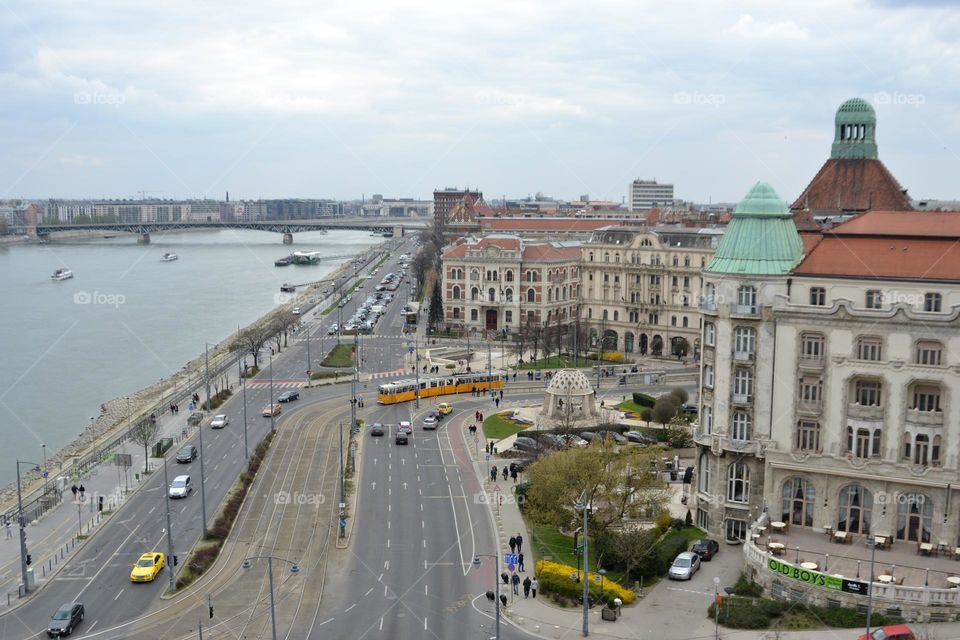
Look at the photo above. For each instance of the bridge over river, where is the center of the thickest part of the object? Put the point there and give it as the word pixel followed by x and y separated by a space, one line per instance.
pixel 286 227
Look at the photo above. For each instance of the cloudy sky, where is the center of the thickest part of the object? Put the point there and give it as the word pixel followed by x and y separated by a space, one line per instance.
pixel 185 98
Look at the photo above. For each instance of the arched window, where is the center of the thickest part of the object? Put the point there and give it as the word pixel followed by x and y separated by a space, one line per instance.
pixel 475 274
pixel 605 316
pixel 616 257
pixel 509 293
pixel 606 256
pixel 686 261
pixel 589 312
pixel 914 517
pixel 508 276
pixel 591 256
pixel 549 294
pixel 856 507
pixel 799 499
pixel 491 294
pixel 738 482
pixel 685 321
pixel 704 473
pixel 456 293
pixel 616 315
pixel 531 295
pixel 474 294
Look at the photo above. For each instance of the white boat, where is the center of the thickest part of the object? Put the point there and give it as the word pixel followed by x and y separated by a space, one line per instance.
pixel 306 257
pixel 62 274
pixel 168 257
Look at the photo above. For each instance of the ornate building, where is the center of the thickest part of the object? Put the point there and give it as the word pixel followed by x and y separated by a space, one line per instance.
pixel 640 287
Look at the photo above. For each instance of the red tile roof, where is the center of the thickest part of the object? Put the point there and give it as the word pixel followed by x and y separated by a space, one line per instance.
pixel 889 245
pixel 543 224
pixel 853 185
pixel 550 252
pixel 459 250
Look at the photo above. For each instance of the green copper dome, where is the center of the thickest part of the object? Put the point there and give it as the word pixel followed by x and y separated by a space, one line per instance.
pixel 855 131
pixel 761 238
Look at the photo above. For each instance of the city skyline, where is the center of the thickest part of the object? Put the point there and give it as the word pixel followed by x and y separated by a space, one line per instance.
pixel 185 102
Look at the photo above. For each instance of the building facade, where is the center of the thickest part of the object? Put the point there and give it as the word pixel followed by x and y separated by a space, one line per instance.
pixel 445 199
pixel 647 194
pixel 502 284
pixel 641 285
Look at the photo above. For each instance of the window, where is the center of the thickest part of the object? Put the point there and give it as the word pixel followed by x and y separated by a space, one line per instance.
pixel 606 278
pixel 926 398
pixel 811 391
pixel 704 473
pixel 710 334
pixel 856 507
pixel 914 517
pixel 742 426
pixel 874 299
pixel 531 317
pixel 743 384
pixel 674 281
pixel 491 294
pixel 811 346
pixel 549 294
pixel 703 519
pixel 508 316
pixel 616 315
pixel 932 302
pixel 799 501
pixel 456 313
pixel 676 261
pixel 862 443
pixel 736 529
pixel 673 321
pixel 531 295
pixel 509 294
pixel 745 340
pixel 473 315
pixel 508 276
pixel 456 293
pixel 685 322
pixel 475 274
pixel 686 282
pixel 686 262
pixel 708 375
pixel 929 352
pixel 868 393
pixel 707 419
pixel 606 313
pixel 869 348
pixel 474 294
pixel 747 299
pixel 738 483
pixel 589 312
pixel 818 296
pixel 808 436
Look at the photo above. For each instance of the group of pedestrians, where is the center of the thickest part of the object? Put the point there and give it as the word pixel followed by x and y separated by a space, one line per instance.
pixel 78 491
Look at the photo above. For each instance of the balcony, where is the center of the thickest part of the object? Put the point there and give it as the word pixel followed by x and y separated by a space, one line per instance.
pixel 720 442
pixel 747 310
pixel 809 406
pixel 708 305
pixel 926 418
pixel 743 356
pixel 811 363
pixel 742 398
pixel 864 411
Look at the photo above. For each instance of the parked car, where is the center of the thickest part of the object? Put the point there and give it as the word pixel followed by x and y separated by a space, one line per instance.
pixel 612 435
pixel 181 487
pixel 684 566
pixel 705 548
pixel 552 440
pixel 148 566
pixel 65 620
pixel 333 329
pixel 271 410
pixel 522 463
pixel 573 440
pixel 187 453
pixel 289 396
pixel 219 421
pixel 376 429
pixel 891 632
pixel 589 436
pixel 401 437
pixel 296 311
pixel 640 437
pixel 430 422
pixel 528 445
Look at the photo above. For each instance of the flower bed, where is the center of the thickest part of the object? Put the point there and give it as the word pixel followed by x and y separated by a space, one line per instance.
pixel 555 579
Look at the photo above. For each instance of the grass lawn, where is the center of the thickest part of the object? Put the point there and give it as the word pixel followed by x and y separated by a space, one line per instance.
pixel 555 362
pixel 559 548
pixel 321 375
pixel 340 356
pixel 497 428
pixel 630 405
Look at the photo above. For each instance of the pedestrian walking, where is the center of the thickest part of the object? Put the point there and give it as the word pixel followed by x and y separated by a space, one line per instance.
pixel 506 472
pixel 82 490
pixel 9 530
pixel 493 473
pixel 513 473
pixel 505 577
pixel 75 490
pixel 496 401
pixel 526 587
pixel 519 539
pixel 501 394
pixel 534 585
pixel 515 580
pixel 520 566
pixel 513 544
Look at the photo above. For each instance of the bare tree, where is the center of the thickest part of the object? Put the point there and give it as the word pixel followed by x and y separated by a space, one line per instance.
pixel 281 326
pixel 144 434
pixel 252 341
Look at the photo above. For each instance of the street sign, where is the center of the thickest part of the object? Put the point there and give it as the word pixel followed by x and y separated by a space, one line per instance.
pixel 512 567
pixel 487 457
pixel 123 459
pixel 409 349
pixel 510 559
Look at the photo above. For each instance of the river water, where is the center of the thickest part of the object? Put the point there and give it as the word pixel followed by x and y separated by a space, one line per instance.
pixel 127 319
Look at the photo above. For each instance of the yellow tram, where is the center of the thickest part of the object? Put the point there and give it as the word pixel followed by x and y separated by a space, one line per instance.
pixel 404 390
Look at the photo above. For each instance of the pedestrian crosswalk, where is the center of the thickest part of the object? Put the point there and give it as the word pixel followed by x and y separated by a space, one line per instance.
pixel 277 384
pixel 387 374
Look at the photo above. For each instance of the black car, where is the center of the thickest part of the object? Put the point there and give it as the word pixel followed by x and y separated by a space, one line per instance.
pixel 65 620
pixel 524 443
pixel 589 436
pixel 288 396
pixel 705 548
pixel 376 429
pixel 187 453
pixel 611 435
pixel 401 437
pixel 552 440
pixel 640 437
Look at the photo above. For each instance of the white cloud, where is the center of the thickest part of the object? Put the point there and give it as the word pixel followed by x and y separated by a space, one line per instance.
pixel 749 27
pixel 81 161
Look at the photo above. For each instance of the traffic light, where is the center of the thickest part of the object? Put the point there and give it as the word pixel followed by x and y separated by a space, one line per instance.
pixel 211 611
pixel 29 559
pixel 175 560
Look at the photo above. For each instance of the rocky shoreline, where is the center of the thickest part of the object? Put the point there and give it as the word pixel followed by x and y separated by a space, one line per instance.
pixel 119 413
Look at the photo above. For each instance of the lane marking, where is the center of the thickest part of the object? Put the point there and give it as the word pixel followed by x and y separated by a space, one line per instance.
pixel 347 610
pixel 325 622
pixel 368 592
pixel 118 595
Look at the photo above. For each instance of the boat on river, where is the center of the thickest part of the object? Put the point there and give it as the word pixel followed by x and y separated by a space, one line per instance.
pixel 169 257
pixel 306 257
pixel 283 262
pixel 61 274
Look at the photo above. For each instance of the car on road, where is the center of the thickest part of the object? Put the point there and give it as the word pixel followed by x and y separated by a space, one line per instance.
pixel 296 311
pixel 147 567
pixel 219 421
pixel 376 429
pixel 187 453
pixel 333 329
pixel 289 396
pixel 891 632
pixel 705 548
pixel 684 566
pixel 406 427
pixel 640 437
pixel 401 437
pixel 271 410
pixel 65 620
pixel 181 487
pixel 445 408
pixel 430 422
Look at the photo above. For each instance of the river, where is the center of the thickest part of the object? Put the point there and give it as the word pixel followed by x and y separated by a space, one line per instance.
pixel 127 319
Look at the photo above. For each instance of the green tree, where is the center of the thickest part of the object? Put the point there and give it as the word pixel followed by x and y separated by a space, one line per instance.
pixel 664 410
pixel 647 415
pixel 436 306
pixel 680 395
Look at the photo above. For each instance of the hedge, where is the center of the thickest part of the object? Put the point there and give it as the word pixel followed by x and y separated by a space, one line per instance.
pixel 758 613
pixel 555 578
pixel 643 399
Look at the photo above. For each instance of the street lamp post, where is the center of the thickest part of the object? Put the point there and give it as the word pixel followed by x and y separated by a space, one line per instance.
pixel 416 367
pixel 203 487
pixel 342 521
pixel 166 491
pixel 716 608
pixel 206 358
pixel 243 387
pixel 496 582
pixel 294 568
pixel 872 543
pixel 272 412
pixel 23 528
pixel 583 505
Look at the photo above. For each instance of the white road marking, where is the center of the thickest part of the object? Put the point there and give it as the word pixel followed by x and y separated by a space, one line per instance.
pixel 118 595
pixel 386 565
pixel 388 507
pixel 224 456
pixel 423 524
pixel 154 508
pixel 388 543
pixel 424 623
pixel 368 592
pixel 381 624
pixel 325 622
pixel 388 524
pixel 380 578
pixel 90 628
pixel 350 607
pixel 426 590
pixel 424 543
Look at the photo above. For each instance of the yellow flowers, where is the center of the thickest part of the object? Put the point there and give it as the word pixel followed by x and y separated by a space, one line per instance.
pixel 563 571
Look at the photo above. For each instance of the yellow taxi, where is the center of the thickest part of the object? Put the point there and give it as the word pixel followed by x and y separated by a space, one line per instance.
pixel 147 567
pixel 445 408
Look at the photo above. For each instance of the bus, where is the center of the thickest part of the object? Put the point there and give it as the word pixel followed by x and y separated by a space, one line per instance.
pixel 405 390
pixel 410 313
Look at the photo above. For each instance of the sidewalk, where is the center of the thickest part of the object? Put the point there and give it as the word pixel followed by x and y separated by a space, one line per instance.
pixel 53 538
